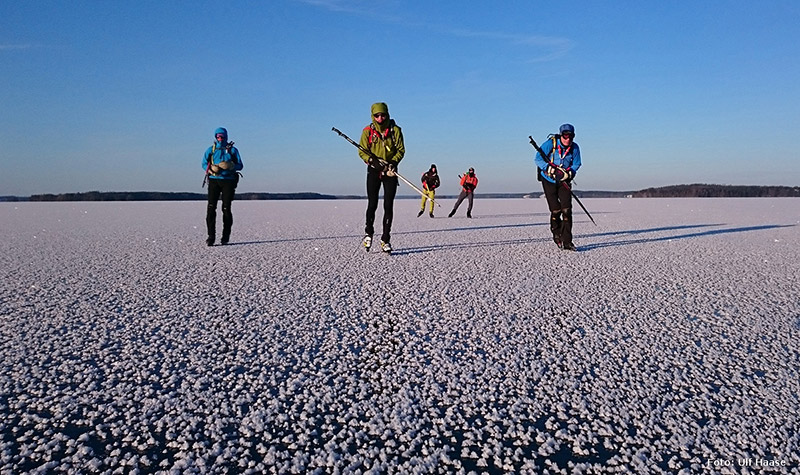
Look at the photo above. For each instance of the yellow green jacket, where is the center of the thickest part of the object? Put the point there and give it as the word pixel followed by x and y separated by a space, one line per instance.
pixel 384 140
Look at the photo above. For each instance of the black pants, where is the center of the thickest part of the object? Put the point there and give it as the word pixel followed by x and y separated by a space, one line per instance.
pixel 225 189
pixel 461 197
pixel 374 181
pixel 559 200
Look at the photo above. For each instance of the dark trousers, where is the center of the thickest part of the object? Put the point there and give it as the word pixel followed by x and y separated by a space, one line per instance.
pixel 461 197
pixel 220 188
pixel 559 200
pixel 374 181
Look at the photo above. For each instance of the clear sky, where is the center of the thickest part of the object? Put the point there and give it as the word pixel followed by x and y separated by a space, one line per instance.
pixel 125 96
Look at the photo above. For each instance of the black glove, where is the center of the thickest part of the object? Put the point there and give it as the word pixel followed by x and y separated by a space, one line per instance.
pixel 375 163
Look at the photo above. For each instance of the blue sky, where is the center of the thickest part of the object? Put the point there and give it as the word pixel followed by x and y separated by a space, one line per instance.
pixel 125 96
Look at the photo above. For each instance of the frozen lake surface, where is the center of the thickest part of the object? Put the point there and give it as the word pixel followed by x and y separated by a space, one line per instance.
pixel 668 343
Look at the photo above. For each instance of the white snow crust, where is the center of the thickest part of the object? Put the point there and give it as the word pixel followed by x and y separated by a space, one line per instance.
pixel 667 344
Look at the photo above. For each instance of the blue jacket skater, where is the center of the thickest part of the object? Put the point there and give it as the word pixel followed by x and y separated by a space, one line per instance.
pixel 568 158
pixel 219 153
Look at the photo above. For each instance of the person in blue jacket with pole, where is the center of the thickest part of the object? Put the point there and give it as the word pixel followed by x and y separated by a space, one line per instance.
pixel 557 168
pixel 222 163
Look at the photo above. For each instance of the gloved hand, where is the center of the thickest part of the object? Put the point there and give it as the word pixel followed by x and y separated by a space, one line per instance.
pixel 390 170
pixel 375 163
pixel 556 173
pixel 215 169
pixel 226 165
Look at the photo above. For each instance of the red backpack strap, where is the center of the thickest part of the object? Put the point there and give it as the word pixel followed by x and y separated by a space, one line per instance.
pixel 373 132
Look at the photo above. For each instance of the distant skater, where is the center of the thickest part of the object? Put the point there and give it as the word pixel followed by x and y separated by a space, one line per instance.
pixel 556 170
pixel 384 138
pixel 222 163
pixel 469 181
pixel 430 181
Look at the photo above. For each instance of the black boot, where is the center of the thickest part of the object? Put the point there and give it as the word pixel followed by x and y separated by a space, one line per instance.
pixel 566 229
pixel 210 240
pixel 420 213
pixel 555 228
pixel 451 214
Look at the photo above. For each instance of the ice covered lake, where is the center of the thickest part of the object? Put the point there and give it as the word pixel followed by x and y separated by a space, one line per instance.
pixel 668 343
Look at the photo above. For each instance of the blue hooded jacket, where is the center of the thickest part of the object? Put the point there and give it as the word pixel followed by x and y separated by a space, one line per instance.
pixel 570 161
pixel 219 153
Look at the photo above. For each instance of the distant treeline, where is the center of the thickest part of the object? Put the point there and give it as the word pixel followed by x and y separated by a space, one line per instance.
pixel 170 196
pixel 701 190
pixel 697 190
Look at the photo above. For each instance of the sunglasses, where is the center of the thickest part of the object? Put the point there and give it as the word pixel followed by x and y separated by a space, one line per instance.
pixel 380 114
pixel 220 136
pixel 567 135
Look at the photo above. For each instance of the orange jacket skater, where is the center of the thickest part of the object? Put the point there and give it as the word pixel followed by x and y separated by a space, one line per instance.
pixel 469 181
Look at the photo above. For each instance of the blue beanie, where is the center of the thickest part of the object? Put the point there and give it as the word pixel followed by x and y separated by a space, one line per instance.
pixel 221 130
pixel 567 128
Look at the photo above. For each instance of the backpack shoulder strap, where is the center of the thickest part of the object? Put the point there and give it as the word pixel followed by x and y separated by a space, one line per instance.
pixel 373 131
pixel 234 156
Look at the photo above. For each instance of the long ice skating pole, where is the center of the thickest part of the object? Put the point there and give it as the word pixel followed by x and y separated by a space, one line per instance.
pixel 382 162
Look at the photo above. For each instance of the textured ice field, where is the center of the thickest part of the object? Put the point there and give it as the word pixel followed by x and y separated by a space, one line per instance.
pixel 668 343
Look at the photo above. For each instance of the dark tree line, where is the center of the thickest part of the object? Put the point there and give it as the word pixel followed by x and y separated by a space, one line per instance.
pixel 170 196
pixel 700 190
pixel 697 190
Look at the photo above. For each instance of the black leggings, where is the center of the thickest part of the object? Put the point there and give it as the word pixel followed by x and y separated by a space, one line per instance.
pixel 559 200
pixel 374 181
pixel 225 189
